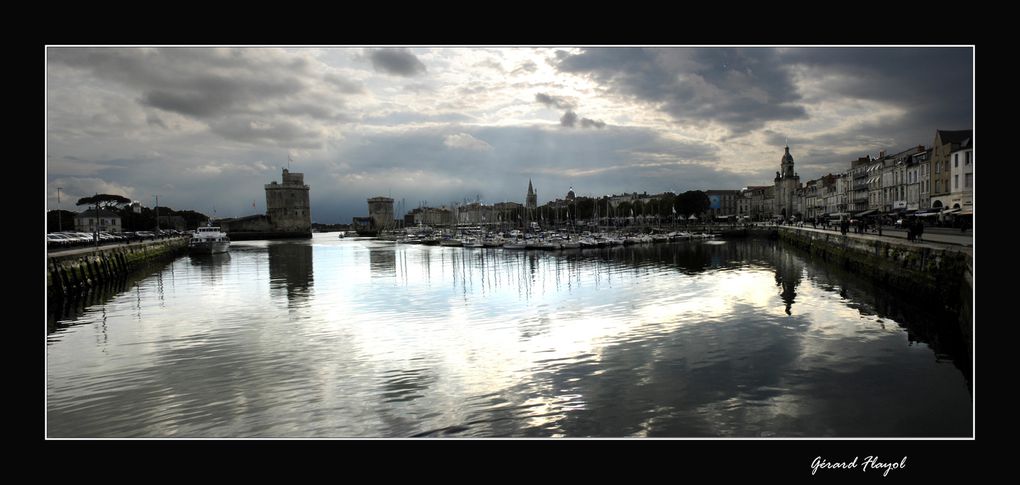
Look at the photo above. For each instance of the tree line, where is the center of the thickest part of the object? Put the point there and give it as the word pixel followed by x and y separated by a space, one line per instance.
pixel 145 220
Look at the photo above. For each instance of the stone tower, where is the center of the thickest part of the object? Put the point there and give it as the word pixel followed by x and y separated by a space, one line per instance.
pixel 287 204
pixel 787 182
pixel 380 209
pixel 532 200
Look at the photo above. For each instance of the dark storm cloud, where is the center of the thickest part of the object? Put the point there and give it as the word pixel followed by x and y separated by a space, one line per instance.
pixel 568 119
pixel 741 89
pixel 202 83
pixel 213 84
pixel 279 132
pixel 154 120
pixel 933 86
pixel 896 75
pixel 554 101
pixel 399 62
pixel 198 103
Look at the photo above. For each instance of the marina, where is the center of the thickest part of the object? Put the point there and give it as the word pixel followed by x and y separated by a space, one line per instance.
pixel 359 337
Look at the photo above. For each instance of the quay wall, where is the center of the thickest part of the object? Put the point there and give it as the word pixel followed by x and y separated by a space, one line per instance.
pixel 77 271
pixel 941 273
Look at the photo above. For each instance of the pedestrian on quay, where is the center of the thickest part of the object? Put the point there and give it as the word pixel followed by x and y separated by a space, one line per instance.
pixel 910 231
pixel 920 230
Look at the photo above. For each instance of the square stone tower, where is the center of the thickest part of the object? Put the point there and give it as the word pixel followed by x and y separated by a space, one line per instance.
pixel 287 204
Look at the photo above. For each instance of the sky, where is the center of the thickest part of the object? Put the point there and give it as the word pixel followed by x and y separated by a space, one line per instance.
pixel 205 128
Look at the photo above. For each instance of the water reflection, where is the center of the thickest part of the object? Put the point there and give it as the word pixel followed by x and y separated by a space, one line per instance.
pixel 788 274
pixel 211 266
pixel 686 339
pixel 383 261
pixel 290 270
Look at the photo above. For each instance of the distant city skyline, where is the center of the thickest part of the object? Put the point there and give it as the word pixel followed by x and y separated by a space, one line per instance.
pixel 206 128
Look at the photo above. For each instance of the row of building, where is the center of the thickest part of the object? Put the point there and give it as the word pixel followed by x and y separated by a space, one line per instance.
pixel 922 180
pixel 926 180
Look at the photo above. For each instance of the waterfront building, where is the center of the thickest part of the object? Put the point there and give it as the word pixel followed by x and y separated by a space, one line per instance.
pixel 744 203
pixel 769 202
pixel 106 221
pixel 962 171
pixel 895 184
pixel 429 216
pixel 923 178
pixel 509 212
pixel 858 185
pixel 757 206
pixel 722 203
pixel 913 185
pixel 874 184
pixel 811 199
pixel 946 143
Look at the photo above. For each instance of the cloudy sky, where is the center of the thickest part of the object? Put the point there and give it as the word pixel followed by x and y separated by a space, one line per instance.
pixel 206 128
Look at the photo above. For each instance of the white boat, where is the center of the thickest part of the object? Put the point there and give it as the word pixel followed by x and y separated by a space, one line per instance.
pixel 209 240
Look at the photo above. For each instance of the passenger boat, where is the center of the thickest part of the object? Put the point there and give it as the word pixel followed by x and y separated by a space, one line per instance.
pixel 209 240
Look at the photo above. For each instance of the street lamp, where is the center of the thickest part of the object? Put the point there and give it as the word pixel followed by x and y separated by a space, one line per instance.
pixel 157 212
pixel 60 220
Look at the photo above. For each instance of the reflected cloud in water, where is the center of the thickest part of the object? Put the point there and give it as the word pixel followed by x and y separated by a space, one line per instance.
pixel 368 338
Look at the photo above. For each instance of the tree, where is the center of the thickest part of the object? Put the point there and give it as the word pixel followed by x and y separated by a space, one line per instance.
pixel 585 207
pixel 105 201
pixel 692 202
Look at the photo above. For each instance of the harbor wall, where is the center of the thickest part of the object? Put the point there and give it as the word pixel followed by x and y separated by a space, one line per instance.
pixel 76 271
pixel 939 273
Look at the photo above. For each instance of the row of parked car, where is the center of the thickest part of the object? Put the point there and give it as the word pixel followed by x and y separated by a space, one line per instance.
pixel 71 239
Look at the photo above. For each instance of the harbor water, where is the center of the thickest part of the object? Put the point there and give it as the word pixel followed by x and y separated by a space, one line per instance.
pixel 356 337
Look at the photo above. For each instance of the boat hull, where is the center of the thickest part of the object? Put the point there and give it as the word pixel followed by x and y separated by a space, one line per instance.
pixel 212 247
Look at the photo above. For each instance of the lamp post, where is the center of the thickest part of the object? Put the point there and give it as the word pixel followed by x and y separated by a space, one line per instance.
pixel 60 220
pixel 95 233
pixel 157 212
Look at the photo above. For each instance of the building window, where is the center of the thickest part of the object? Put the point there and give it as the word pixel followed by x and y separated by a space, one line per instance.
pixel 967 179
pixel 966 158
pixel 956 160
pixel 956 182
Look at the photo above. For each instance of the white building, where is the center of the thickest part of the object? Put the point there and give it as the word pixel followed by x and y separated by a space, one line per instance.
pixel 962 177
pixel 107 221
